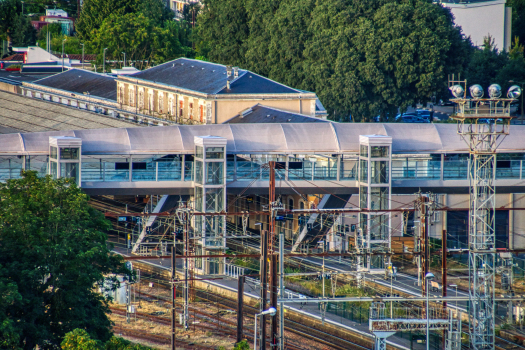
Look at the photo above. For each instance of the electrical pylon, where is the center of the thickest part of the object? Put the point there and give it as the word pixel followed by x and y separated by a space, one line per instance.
pixel 482 123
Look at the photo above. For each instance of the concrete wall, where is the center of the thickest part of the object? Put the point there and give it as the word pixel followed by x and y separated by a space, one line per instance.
pixel 479 19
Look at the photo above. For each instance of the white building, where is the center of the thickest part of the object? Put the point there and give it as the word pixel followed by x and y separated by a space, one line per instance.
pixel 480 19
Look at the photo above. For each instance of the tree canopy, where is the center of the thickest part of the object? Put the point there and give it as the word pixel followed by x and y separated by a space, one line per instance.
pixel 363 58
pixel 52 254
pixel 139 36
pixel 14 25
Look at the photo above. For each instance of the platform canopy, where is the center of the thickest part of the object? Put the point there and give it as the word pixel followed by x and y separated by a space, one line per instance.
pixel 293 138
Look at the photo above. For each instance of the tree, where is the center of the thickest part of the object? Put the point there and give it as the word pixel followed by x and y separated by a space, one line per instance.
pixel 79 339
pixel 223 30
pixel 9 12
pixel 485 64
pixel 53 253
pixel 518 19
pixel 95 12
pixel 22 32
pixel 139 37
pixel 361 57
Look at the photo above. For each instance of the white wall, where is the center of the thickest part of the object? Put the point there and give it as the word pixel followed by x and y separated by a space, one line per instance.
pixel 480 19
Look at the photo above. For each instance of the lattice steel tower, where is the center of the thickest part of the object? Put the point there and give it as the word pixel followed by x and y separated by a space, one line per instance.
pixel 482 123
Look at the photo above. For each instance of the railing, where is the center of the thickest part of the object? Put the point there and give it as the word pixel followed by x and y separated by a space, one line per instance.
pixel 233 270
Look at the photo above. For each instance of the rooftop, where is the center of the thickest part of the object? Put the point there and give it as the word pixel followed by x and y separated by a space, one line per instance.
pixel 210 78
pixel 293 138
pixel 82 81
pixel 23 114
pixel 264 114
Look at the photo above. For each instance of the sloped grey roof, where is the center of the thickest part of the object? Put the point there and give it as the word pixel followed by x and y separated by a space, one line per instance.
pixel 24 114
pixel 80 81
pixel 209 78
pixel 264 114
pixel 293 138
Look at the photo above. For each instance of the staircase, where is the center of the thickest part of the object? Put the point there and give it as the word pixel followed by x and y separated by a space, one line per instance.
pixel 319 224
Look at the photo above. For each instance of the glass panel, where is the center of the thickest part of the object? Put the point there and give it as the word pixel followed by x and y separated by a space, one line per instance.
pixel 349 168
pixel 214 200
pixel 363 151
pixel 230 167
pixel 379 172
pixel 300 168
pixel 363 221
pixel 37 163
pixel 378 227
pixel 143 169
pixel 363 170
pixel 379 198
pixel 115 169
pixel 379 151
pixel 188 168
pixel 53 152
pixel 199 192
pixel 54 170
pixel 325 168
pixel 455 167
pixel 214 152
pixel 198 172
pixel 246 168
pixel 199 153
pixel 10 167
pixel 69 170
pixel 68 153
pixel 264 159
pixel 169 168
pixel 214 173
pixel 417 168
pixel 508 165
pixel 363 197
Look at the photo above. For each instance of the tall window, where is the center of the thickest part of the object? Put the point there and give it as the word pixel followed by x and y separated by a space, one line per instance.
pixel 132 96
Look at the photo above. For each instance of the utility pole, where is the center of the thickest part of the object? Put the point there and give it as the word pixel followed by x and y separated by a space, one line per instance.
pixel 423 234
pixel 183 214
pixel 444 277
pixel 173 296
pixel 264 285
pixel 273 258
pixel 240 304
pixel 281 289
pixel 63 41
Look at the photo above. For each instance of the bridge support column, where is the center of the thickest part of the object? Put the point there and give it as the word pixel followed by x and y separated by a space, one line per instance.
pixel 380 342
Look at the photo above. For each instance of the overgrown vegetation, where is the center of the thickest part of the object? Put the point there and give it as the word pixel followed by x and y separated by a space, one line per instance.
pixel 79 339
pixel 53 253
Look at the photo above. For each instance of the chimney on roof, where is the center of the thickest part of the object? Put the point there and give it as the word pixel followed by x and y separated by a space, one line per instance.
pixel 228 84
pixel 228 72
pixel 235 72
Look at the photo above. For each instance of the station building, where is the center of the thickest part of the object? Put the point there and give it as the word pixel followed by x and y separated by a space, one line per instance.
pixel 224 168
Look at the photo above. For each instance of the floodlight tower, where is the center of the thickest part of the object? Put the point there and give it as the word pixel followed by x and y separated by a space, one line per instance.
pixel 481 123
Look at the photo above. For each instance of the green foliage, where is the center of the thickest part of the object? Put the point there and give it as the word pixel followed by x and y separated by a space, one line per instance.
pixel 15 25
pixel 137 35
pixel 79 339
pixel 361 58
pixel 71 45
pixel 54 29
pixel 53 253
pixel 518 19
pixel 116 343
pixel 95 12
pixel 242 345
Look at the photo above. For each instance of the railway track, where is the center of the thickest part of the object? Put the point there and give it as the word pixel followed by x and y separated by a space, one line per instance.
pixel 504 344
pixel 289 325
